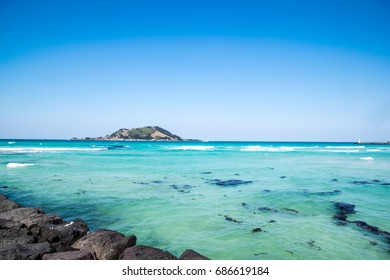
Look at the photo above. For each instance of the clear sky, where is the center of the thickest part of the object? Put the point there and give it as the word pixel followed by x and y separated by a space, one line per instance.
pixel 214 70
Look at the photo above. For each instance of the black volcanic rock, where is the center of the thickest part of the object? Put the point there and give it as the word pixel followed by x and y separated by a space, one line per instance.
pixel 25 251
pixel 190 254
pixel 69 255
pixel 141 252
pixel 105 244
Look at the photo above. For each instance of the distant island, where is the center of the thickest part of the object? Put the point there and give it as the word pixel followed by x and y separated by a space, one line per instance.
pixel 147 133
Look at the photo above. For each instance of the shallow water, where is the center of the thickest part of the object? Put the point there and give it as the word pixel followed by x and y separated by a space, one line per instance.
pixel 166 193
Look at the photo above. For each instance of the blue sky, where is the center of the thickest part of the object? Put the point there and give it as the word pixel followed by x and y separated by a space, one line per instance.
pixel 214 70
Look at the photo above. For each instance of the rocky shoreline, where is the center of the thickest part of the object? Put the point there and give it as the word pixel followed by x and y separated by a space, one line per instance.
pixel 31 234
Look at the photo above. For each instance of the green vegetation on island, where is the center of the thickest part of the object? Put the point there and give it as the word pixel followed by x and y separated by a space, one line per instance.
pixel 143 133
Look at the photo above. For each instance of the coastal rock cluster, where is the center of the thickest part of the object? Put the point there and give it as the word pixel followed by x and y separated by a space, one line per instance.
pixel 31 234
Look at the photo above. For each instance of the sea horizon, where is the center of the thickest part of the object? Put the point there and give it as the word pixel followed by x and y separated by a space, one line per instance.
pixel 252 199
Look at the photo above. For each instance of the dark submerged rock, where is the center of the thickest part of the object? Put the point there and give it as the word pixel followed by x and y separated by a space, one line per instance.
pixel 345 208
pixel 267 209
pixel 25 251
pixel 312 244
pixel 229 183
pixel 256 230
pixel 141 252
pixel 328 193
pixel 373 229
pixel 230 219
pixel 157 182
pixel 340 216
pixel 360 182
pixel 182 188
pixel 190 254
pixel 290 210
pixel 105 244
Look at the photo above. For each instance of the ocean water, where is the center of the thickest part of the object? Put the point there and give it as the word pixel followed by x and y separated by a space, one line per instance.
pixel 180 195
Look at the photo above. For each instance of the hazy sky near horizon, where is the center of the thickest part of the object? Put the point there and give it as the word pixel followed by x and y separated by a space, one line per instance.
pixel 214 70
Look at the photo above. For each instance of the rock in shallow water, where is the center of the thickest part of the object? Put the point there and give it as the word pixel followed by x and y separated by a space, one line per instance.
pixel 62 236
pixel 105 244
pixel 141 252
pixel 190 254
pixel 230 219
pixel 345 208
pixel 229 183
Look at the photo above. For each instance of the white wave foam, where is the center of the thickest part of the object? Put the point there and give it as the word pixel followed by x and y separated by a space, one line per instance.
pixel 17 165
pixel 373 150
pixel 11 142
pixel 340 151
pixel 345 147
pixel 367 158
pixel 266 149
pixel 194 148
pixel 47 150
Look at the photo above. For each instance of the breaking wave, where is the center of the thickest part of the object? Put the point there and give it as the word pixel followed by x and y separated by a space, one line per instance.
pixel 18 165
pixel 194 148
pixel 47 150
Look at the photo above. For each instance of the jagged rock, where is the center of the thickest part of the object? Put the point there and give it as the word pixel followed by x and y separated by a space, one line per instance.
pixel 25 251
pixel 190 254
pixel 64 235
pixel 141 252
pixel 9 224
pixel 6 205
pixel 16 236
pixel 105 244
pixel 35 221
pixel 345 208
pixel 69 255
pixel 20 214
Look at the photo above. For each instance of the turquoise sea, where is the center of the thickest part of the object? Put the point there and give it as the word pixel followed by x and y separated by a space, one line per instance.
pixel 226 200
